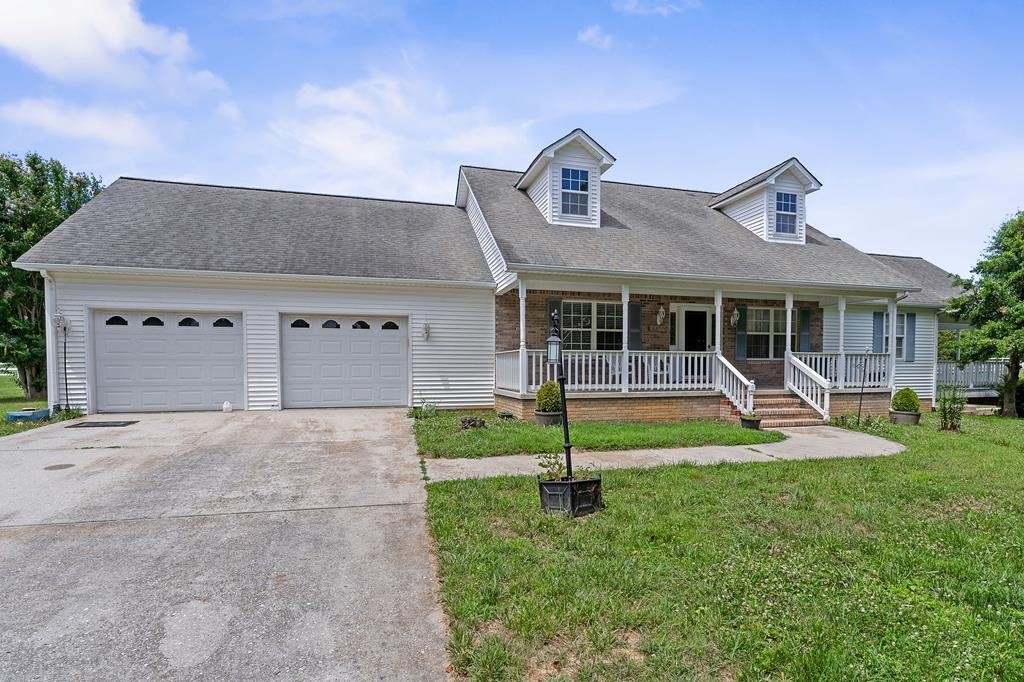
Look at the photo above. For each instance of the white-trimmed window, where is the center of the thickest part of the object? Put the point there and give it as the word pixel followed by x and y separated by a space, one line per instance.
pixel 575 192
pixel 766 333
pixel 785 212
pixel 901 334
pixel 591 325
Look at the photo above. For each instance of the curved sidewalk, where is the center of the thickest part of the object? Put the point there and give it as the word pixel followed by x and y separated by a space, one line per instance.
pixel 814 442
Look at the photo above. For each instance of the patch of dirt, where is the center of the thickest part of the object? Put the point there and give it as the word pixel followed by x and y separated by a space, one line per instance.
pixel 949 509
pixel 554 659
pixel 629 647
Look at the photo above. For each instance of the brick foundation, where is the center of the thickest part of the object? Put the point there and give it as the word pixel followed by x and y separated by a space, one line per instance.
pixel 634 408
pixel 876 404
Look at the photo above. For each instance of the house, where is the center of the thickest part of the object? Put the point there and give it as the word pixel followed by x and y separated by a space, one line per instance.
pixel 674 303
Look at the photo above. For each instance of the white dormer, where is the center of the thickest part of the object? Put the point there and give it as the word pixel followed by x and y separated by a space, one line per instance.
pixel 564 180
pixel 772 204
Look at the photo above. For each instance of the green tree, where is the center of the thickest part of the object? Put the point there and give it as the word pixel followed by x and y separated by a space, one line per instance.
pixel 947 345
pixel 36 195
pixel 993 303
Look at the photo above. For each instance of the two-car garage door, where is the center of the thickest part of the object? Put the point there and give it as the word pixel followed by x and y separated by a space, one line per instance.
pixel 169 361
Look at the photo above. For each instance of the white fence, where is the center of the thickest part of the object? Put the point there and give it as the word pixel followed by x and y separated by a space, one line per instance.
pixel 986 374
pixel 849 370
pixel 808 383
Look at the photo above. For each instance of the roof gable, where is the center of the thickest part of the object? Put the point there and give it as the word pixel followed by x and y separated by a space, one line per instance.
pixel 791 165
pixel 577 136
pixel 936 284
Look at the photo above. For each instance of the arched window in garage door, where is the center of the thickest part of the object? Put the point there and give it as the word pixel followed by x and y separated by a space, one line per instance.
pixel 225 322
pixel 116 321
pixel 152 322
pixel 331 324
pixel 389 325
pixel 188 322
pixel 300 324
pixel 361 324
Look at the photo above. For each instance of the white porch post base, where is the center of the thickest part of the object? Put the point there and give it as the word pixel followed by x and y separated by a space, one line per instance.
pixel 841 370
pixel 524 381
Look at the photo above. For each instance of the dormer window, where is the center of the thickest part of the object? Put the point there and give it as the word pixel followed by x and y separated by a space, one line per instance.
pixel 785 213
pixel 575 191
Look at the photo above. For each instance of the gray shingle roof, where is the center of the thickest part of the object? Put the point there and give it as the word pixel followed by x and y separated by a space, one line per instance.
pixel 667 231
pixel 752 182
pixel 180 226
pixel 936 284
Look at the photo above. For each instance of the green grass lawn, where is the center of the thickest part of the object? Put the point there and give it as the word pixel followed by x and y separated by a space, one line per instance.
pixel 12 398
pixel 904 567
pixel 441 436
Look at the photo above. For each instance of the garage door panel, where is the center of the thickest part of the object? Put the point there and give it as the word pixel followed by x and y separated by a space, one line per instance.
pixel 354 363
pixel 167 367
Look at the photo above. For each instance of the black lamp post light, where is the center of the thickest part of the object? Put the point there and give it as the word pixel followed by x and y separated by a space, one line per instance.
pixel 568 495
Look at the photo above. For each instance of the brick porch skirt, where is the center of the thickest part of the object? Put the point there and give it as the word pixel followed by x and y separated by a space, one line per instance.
pixel 634 407
pixel 660 408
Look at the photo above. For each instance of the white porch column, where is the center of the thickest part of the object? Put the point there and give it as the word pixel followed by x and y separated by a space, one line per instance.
pixel 841 370
pixel 524 381
pixel 789 335
pixel 892 343
pixel 625 338
pixel 718 321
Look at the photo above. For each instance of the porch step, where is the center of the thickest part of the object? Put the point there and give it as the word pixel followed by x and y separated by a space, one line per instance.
pixel 788 423
pixel 794 411
pixel 777 401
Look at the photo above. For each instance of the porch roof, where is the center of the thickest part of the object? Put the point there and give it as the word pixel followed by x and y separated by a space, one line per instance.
pixel 649 230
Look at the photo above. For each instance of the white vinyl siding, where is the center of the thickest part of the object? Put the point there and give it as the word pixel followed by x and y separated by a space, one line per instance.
pixel 453 368
pixel 919 374
pixel 540 193
pixel 574 156
pixel 750 213
pixel 787 183
pixel 492 254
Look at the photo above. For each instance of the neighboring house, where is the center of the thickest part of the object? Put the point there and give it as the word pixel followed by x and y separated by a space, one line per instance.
pixel 674 303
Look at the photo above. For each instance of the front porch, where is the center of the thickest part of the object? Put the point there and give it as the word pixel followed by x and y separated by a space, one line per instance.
pixel 662 355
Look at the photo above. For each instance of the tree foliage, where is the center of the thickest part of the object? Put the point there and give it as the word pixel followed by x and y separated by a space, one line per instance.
pixel 993 303
pixel 36 195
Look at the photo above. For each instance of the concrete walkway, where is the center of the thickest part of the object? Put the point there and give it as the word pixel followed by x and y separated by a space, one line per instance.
pixel 815 442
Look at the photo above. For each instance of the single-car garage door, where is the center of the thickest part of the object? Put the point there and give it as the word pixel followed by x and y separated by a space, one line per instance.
pixel 161 361
pixel 334 361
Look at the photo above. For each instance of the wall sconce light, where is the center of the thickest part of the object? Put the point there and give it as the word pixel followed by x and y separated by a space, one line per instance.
pixel 60 323
pixel 426 331
pixel 661 315
pixel 735 317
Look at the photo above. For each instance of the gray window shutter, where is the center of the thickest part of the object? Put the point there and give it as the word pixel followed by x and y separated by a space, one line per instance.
pixel 911 336
pixel 878 332
pixel 553 305
pixel 803 337
pixel 636 326
pixel 741 333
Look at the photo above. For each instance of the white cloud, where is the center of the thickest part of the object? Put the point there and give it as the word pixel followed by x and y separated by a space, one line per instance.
pixel 229 111
pixel 101 40
pixel 386 136
pixel 660 7
pixel 111 126
pixel 594 36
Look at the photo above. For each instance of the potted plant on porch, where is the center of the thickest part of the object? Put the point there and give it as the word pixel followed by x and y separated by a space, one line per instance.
pixel 749 420
pixel 906 407
pixel 560 491
pixel 548 410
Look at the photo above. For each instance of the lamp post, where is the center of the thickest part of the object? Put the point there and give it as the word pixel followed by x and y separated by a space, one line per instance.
pixel 555 359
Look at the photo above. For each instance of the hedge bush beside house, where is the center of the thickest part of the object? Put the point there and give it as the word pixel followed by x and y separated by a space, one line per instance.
pixel 906 400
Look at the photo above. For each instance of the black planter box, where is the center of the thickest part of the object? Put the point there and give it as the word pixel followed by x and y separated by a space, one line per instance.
pixel 577 497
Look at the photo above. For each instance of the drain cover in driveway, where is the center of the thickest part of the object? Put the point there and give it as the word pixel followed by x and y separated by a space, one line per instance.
pixel 83 425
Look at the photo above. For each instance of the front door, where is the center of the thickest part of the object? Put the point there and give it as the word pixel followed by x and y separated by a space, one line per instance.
pixel 695 330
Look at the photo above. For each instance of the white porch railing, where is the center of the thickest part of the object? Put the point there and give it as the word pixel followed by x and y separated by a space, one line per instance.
pixel 506 370
pixel 846 370
pixel 810 385
pixel 985 374
pixel 671 371
pixel 736 387
pixel 602 370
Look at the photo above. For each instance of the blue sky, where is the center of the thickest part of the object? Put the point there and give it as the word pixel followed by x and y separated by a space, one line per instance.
pixel 909 113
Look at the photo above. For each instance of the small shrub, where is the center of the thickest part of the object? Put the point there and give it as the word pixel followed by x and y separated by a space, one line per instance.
pixel 951 407
pixel 424 411
pixel 549 398
pixel 552 464
pixel 876 426
pixel 906 400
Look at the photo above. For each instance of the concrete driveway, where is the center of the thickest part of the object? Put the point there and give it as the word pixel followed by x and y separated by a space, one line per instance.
pixel 287 545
